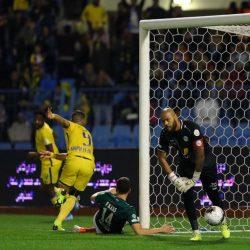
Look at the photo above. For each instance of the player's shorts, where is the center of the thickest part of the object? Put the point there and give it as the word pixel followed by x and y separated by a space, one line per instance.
pixel 186 169
pixel 97 229
pixel 50 171
pixel 77 171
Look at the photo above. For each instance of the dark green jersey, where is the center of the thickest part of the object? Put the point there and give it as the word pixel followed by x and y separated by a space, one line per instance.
pixel 113 213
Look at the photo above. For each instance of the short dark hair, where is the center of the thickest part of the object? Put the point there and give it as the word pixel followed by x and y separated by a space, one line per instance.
pixel 123 185
pixel 78 113
pixel 40 112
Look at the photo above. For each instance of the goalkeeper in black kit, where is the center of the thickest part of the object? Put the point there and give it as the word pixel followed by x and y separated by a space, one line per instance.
pixel 196 161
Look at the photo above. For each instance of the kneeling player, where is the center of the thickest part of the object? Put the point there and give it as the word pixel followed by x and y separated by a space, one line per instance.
pixel 114 212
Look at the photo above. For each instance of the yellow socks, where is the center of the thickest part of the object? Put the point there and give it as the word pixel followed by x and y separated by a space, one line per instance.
pixel 65 209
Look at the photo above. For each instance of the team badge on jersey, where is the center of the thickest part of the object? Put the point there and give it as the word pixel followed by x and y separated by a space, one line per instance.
pixel 185 138
pixel 196 132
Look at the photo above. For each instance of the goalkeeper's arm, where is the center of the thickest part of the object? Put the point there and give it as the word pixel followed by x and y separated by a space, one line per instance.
pixel 199 156
pixel 162 159
pixel 177 181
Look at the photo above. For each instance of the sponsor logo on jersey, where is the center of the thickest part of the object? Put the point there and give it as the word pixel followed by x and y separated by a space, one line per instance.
pixel 185 151
pixel 213 186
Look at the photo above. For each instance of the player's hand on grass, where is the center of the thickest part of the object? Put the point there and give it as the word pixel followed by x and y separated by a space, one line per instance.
pixel 46 154
pixel 49 114
pixel 167 229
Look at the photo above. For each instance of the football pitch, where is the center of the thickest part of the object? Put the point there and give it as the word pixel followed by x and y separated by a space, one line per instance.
pixel 34 232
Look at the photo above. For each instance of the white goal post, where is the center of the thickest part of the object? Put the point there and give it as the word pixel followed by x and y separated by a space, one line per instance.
pixel 144 91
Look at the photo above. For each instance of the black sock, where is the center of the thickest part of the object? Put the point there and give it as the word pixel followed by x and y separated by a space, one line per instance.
pixel 189 198
pixel 194 224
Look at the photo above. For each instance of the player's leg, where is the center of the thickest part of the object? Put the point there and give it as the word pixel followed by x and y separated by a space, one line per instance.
pixel 209 181
pixel 86 169
pixel 47 182
pixel 82 230
pixel 77 175
pixel 66 182
pixel 54 174
pixel 93 229
pixel 210 186
pixel 189 201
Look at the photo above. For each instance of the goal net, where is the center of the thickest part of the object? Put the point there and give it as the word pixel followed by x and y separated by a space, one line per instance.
pixel 200 67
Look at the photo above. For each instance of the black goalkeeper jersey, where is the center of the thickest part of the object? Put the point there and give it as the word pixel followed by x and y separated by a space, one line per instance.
pixel 185 140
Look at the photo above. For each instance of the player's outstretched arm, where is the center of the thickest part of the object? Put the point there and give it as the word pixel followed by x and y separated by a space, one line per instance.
pixel 111 190
pixel 62 121
pixel 33 155
pixel 143 231
pixel 49 155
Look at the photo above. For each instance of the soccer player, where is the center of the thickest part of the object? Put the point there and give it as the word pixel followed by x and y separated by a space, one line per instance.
pixel 44 140
pixel 196 161
pixel 79 161
pixel 114 212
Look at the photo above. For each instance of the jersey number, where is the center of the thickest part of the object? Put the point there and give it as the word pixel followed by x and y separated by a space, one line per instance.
pixel 107 217
pixel 88 137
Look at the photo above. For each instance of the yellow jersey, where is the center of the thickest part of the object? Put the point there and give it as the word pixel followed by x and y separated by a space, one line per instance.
pixel 79 141
pixel 44 136
pixel 96 15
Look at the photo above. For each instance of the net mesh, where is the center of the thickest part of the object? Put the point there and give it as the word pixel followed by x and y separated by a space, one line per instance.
pixel 204 72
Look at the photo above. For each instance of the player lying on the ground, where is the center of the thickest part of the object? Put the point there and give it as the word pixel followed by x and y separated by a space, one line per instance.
pixel 79 163
pixel 114 212
pixel 196 161
pixel 44 140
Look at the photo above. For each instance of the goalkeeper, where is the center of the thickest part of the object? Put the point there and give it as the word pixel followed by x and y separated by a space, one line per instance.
pixel 196 161
pixel 114 212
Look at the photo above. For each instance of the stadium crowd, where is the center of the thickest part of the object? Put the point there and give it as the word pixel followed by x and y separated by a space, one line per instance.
pixel 41 51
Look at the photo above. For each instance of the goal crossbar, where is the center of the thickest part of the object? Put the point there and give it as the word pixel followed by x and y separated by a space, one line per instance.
pixel 200 21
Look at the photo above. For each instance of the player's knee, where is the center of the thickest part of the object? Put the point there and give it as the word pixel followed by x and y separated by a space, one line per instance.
pixel 74 192
pixel 188 197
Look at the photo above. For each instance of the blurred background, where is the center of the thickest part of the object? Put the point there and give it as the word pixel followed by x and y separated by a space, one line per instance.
pixel 79 54
pixel 82 54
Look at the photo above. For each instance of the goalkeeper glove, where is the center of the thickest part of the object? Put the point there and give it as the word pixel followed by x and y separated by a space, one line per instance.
pixel 189 183
pixel 177 181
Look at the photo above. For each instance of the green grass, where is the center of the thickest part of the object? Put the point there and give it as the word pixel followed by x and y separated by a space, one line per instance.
pixel 34 232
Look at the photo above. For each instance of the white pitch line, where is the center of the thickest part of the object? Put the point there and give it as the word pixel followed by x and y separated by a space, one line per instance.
pixel 206 236
pixel 214 231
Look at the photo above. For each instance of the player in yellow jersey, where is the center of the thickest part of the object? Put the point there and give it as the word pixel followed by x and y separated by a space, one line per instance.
pixel 44 140
pixel 79 161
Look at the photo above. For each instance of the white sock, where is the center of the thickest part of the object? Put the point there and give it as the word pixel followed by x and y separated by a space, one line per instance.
pixel 196 231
